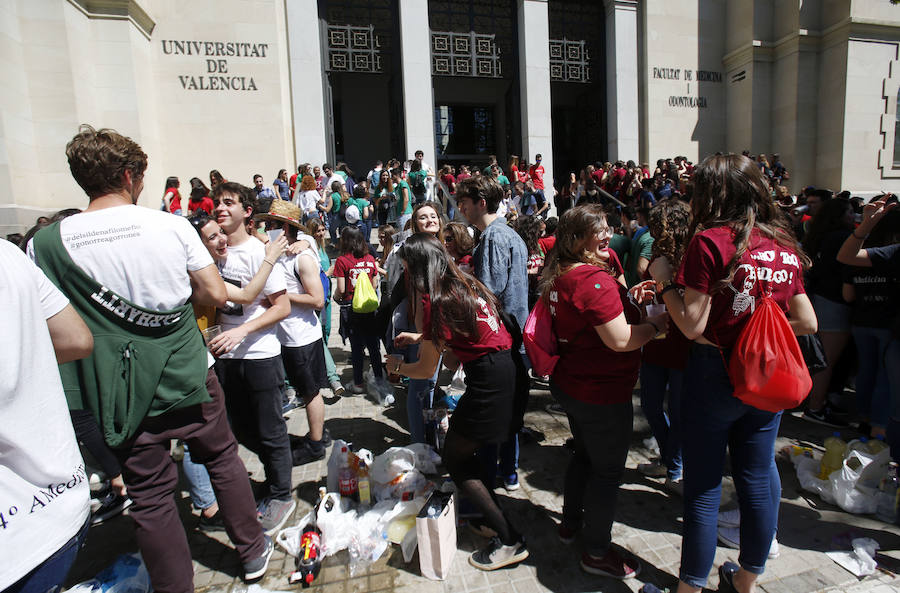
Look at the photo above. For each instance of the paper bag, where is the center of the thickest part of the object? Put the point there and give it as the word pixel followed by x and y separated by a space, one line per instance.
pixel 436 532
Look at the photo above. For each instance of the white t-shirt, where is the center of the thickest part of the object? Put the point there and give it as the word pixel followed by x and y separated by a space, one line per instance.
pixel 44 492
pixel 140 254
pixel 240 266
pixel 302 326
pixel 306 200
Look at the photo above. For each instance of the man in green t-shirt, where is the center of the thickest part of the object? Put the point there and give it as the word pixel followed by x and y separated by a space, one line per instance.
pixel 641 245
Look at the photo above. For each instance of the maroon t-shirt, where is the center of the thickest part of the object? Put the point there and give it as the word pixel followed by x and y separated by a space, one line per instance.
pixel 705 262
pixel 349 268
pixel 581 299
pixel 492 335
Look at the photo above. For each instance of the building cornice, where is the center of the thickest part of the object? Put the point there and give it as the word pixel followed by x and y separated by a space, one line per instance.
pixel 124 10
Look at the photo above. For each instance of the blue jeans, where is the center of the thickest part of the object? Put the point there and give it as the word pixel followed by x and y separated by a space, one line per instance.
pixel 713 419
pixel 601 433
pixel 49 575
pixel 873 393
pixel 666 428
pixel 420 392
pixel 202 495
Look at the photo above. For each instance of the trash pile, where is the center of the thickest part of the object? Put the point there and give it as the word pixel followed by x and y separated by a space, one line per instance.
pixel 126 575
pixel 372 502
pixel 858 476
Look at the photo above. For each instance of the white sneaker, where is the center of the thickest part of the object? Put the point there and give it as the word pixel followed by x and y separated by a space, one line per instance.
pixel 731 537
pixel 730 518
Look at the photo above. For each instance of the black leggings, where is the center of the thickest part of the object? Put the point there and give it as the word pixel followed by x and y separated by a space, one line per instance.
pixel 460 460
pixel 88 434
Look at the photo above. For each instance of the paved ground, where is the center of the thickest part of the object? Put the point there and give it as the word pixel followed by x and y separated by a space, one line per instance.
pixel 648 522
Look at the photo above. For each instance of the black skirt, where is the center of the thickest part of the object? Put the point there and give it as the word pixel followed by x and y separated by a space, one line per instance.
pixel 485 411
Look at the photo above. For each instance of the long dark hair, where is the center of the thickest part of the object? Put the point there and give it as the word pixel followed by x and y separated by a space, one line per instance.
pixel 352 241
pixel 575 228
pixel 830 217
pixel 454 295
pixel 729 190
pixel 529 229
pixel 198 189
pixel 171 182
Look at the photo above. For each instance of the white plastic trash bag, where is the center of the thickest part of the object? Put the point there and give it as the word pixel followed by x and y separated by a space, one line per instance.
pixel 126 575
pixel 844 485
pixel 861 561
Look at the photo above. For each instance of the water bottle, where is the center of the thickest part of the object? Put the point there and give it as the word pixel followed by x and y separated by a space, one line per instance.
pixel 886 509
pixel 833 459
pixel 877 445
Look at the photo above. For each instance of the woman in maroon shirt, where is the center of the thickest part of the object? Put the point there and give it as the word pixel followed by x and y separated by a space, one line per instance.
pixel 457 315
pixel 600 335
pixel 742 246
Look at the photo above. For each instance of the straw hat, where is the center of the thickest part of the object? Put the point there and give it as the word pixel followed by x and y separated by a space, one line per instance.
pixel 283 211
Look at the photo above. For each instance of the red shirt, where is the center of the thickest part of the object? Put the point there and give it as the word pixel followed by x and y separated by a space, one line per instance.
pixel 205 203
pixel 581 299
pixel 449 181
pixel 462 176
pixel 705 263
pixel 547 243
pixel 292 183
pixel 492 335
pixel 536 172
pixel 349 268
pixel 175 204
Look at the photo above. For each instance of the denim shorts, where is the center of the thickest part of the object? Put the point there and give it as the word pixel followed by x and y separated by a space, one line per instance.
pixel 832 316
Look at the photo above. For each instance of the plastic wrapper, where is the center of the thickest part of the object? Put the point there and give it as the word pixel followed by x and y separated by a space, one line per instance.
pixel 861 561
pixel 853 487
pixel 126 575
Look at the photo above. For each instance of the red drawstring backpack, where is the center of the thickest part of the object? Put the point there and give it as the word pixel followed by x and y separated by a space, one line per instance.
pixel 540 339
pixel 767 367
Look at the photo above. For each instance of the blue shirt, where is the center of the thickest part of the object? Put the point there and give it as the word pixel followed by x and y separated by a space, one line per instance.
pixel 283 189
pixel 265 192
pixel 500 261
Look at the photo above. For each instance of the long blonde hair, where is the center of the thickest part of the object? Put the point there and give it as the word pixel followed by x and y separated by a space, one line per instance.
pixel 576 227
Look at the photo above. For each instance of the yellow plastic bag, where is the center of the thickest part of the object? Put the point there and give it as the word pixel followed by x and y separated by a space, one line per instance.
pixel 364 298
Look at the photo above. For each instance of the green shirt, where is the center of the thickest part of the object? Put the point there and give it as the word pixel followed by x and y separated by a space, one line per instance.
pixel 621 245
pixel 360 203
pixel 502 179
pixel 398 191
pixel 641 247
pixel 336 202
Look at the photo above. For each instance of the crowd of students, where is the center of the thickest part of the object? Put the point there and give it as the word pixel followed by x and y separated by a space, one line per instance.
pixel 646 275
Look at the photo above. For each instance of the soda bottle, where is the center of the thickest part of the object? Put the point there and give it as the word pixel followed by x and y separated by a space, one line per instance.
pixel 833 459
pixel 309 558
pixel 347 482
pixel 886 509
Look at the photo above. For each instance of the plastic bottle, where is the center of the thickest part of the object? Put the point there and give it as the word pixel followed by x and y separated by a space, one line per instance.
pixel 888 489
pixel 363 485
pixel 877 445
pixel 309 558
pixel 833 459
pixel 347 482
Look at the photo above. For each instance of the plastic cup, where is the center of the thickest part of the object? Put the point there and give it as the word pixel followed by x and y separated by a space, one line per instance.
pixel 211 332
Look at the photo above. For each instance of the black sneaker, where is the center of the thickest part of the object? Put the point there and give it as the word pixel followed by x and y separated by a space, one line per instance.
pixel 497 555
pixel 306 452
pixel 326 437
pixel 256 568
pixel 726 577
pixel 824 416
pixel 211 524
pixel 110 505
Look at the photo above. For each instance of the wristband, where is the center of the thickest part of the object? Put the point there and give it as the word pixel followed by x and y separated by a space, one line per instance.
pixel 271 263
pixel 863 238
pixel 667 289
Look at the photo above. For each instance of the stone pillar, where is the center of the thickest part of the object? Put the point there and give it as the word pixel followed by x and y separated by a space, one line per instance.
pixel 418 92
pixel 622 79
pixel 307 73
pixel 534 86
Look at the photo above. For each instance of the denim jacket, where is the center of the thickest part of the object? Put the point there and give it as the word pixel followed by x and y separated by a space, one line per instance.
pixel 500 261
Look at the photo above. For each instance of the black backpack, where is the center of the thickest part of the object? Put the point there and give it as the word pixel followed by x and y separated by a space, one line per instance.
pixel 417 186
